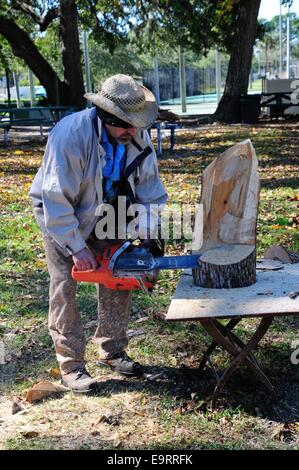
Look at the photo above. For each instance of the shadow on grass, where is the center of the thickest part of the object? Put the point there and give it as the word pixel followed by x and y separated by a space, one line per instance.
pixel 272 183
pixel 33 355
pixel 179 385
pixel 243 391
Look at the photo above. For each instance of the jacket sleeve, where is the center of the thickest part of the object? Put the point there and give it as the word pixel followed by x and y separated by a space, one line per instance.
pixel 150 192
pixel 62 176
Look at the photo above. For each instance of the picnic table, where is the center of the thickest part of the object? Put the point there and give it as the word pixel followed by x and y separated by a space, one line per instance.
pixel 278 102
pixel 39 115
pixel 265 300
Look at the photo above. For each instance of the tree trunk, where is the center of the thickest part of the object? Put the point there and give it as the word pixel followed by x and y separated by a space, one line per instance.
pixel 228 109
pixel 71 55
pixel 24 48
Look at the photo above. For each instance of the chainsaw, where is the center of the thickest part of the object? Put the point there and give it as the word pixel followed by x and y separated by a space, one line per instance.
pixel 125 266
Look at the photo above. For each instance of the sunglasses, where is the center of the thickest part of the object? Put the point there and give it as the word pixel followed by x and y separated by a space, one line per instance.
pixel 112 120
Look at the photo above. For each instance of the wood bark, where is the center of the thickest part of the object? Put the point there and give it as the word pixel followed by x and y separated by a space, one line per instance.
pixel 24 48
pixel 215 273
pixel 229 196
pixel 70 91
pixel 71 55
pixel 237 79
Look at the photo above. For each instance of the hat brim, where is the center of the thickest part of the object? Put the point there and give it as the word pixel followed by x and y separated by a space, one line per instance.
pixel 141 119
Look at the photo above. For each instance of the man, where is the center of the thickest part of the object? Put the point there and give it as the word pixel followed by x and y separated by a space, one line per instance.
pixel 92 157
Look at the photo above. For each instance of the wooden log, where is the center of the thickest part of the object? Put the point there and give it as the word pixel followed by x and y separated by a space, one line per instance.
pixel 226 267
pixel 229 197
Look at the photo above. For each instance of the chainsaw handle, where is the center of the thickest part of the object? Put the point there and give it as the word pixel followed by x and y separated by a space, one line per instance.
pixel 86 276
pixel 117 253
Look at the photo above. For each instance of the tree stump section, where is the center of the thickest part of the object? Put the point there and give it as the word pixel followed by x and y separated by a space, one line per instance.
pixel 227 267
pixel 229 196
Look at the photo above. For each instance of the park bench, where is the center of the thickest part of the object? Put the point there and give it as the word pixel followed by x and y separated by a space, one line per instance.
pixel 35 116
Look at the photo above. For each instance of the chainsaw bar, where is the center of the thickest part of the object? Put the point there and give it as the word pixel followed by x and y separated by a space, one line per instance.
pixel 144 261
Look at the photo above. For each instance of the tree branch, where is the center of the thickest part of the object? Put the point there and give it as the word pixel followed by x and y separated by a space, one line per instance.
pixel 24 48
pixel 51 15
pixel 43 21
pixel 94 13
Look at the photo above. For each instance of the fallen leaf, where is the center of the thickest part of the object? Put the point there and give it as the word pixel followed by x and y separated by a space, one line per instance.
pixel 54 372
pixel 30 434
pixel 113 420
pixel 142 319
pixel 224 420
pixel 42 390
pixel 282 433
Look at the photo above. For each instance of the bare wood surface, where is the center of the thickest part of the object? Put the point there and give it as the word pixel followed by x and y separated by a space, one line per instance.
pixel 268 296
pixel 230 195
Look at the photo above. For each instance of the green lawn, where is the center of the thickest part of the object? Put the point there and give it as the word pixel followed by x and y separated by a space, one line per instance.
pixel 173 412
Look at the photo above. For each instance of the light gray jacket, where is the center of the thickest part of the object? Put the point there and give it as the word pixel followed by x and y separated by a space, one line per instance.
pixel 68 184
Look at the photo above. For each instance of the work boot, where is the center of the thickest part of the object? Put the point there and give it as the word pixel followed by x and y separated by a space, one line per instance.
pixel 123 364
pixel 79 381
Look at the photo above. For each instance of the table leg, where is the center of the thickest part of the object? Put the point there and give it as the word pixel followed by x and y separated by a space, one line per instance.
pixel 159 140
pixel 5 137
pixel 234 339
pixel 230 325
pixel 250 360
pixel 172 138
pixel 240 355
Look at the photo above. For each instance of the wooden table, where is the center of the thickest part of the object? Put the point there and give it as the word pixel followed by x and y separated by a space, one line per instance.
pixel 265 299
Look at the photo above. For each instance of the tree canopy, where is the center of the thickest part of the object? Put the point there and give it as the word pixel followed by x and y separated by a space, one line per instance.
pixel 45 34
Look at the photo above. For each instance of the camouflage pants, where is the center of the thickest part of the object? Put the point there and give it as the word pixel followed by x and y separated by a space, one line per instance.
pixel 64 320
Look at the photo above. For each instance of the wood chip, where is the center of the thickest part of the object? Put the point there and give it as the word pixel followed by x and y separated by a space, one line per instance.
pixel 263 264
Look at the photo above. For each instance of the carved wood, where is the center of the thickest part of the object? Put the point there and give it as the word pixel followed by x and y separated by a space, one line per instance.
pixel 230 195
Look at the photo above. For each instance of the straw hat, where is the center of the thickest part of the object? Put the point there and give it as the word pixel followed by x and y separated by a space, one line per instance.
pixel 126 99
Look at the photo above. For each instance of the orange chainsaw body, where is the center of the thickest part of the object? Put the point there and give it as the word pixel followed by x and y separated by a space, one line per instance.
pixel 104 275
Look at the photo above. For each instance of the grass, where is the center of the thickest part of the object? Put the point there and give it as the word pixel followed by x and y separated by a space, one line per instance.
pixel 173 412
